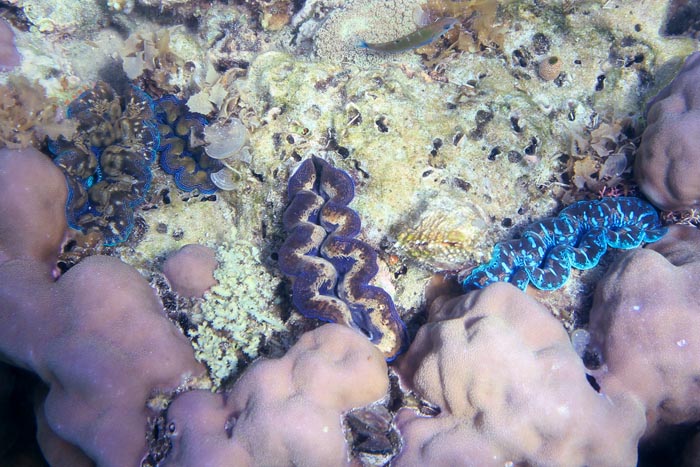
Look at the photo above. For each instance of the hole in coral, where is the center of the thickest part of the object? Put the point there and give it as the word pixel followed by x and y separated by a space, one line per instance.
pixel 592 381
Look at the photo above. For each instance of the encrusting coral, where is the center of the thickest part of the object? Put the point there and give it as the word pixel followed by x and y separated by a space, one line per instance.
pixel 27 115
pixel 330 269
pixel 667 166
pixel 238 315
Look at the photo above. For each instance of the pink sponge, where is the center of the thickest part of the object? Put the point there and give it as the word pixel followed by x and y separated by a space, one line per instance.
pixel 667 165
pixel 510 389
pixel 646 320
pixel 283 412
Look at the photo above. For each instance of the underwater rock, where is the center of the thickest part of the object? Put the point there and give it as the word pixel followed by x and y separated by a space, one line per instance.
pixel 330 269
pixel 108 161
pixel 182 153
pixel 578 237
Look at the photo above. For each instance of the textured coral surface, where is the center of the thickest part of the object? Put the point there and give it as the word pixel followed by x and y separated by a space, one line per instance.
pixel 285 411
pixel 667 166
pixel 649 334
pixel 510 389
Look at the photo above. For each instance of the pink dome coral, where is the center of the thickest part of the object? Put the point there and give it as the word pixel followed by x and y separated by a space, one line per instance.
pixel 190 270
pixel 510 389
pixel 646 320
pixel 667 165
pixel 285 411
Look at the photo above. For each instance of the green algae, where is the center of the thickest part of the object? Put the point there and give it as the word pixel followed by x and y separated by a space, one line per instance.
pixel 239 314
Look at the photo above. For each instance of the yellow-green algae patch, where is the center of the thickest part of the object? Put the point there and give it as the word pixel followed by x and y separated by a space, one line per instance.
pixel 239 314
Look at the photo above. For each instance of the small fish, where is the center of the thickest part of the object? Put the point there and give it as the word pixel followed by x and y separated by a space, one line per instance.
pixel 419 38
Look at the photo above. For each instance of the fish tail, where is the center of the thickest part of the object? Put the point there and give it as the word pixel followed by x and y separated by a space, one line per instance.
pixel 361 44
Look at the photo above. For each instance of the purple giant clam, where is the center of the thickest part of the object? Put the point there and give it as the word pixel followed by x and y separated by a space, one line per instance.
pixel 329 268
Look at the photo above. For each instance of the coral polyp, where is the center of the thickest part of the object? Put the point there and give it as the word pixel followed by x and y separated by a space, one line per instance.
pixel 108 161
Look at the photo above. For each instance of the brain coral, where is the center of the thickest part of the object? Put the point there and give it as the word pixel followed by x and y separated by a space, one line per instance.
pixel 667 166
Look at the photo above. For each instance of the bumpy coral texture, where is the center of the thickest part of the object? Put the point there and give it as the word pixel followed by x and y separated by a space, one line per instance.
pixel 667 166
pixel 329 267
pixel 108 162
pixel 510 389
pixel 31 189
pixel 181 149
pixel 190 270
pixel 646 320
pixel 578 237
pixel 97 337
pixel 282 412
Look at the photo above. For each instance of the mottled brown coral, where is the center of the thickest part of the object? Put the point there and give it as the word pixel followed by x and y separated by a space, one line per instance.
pixel 274 14
pixel 26 115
